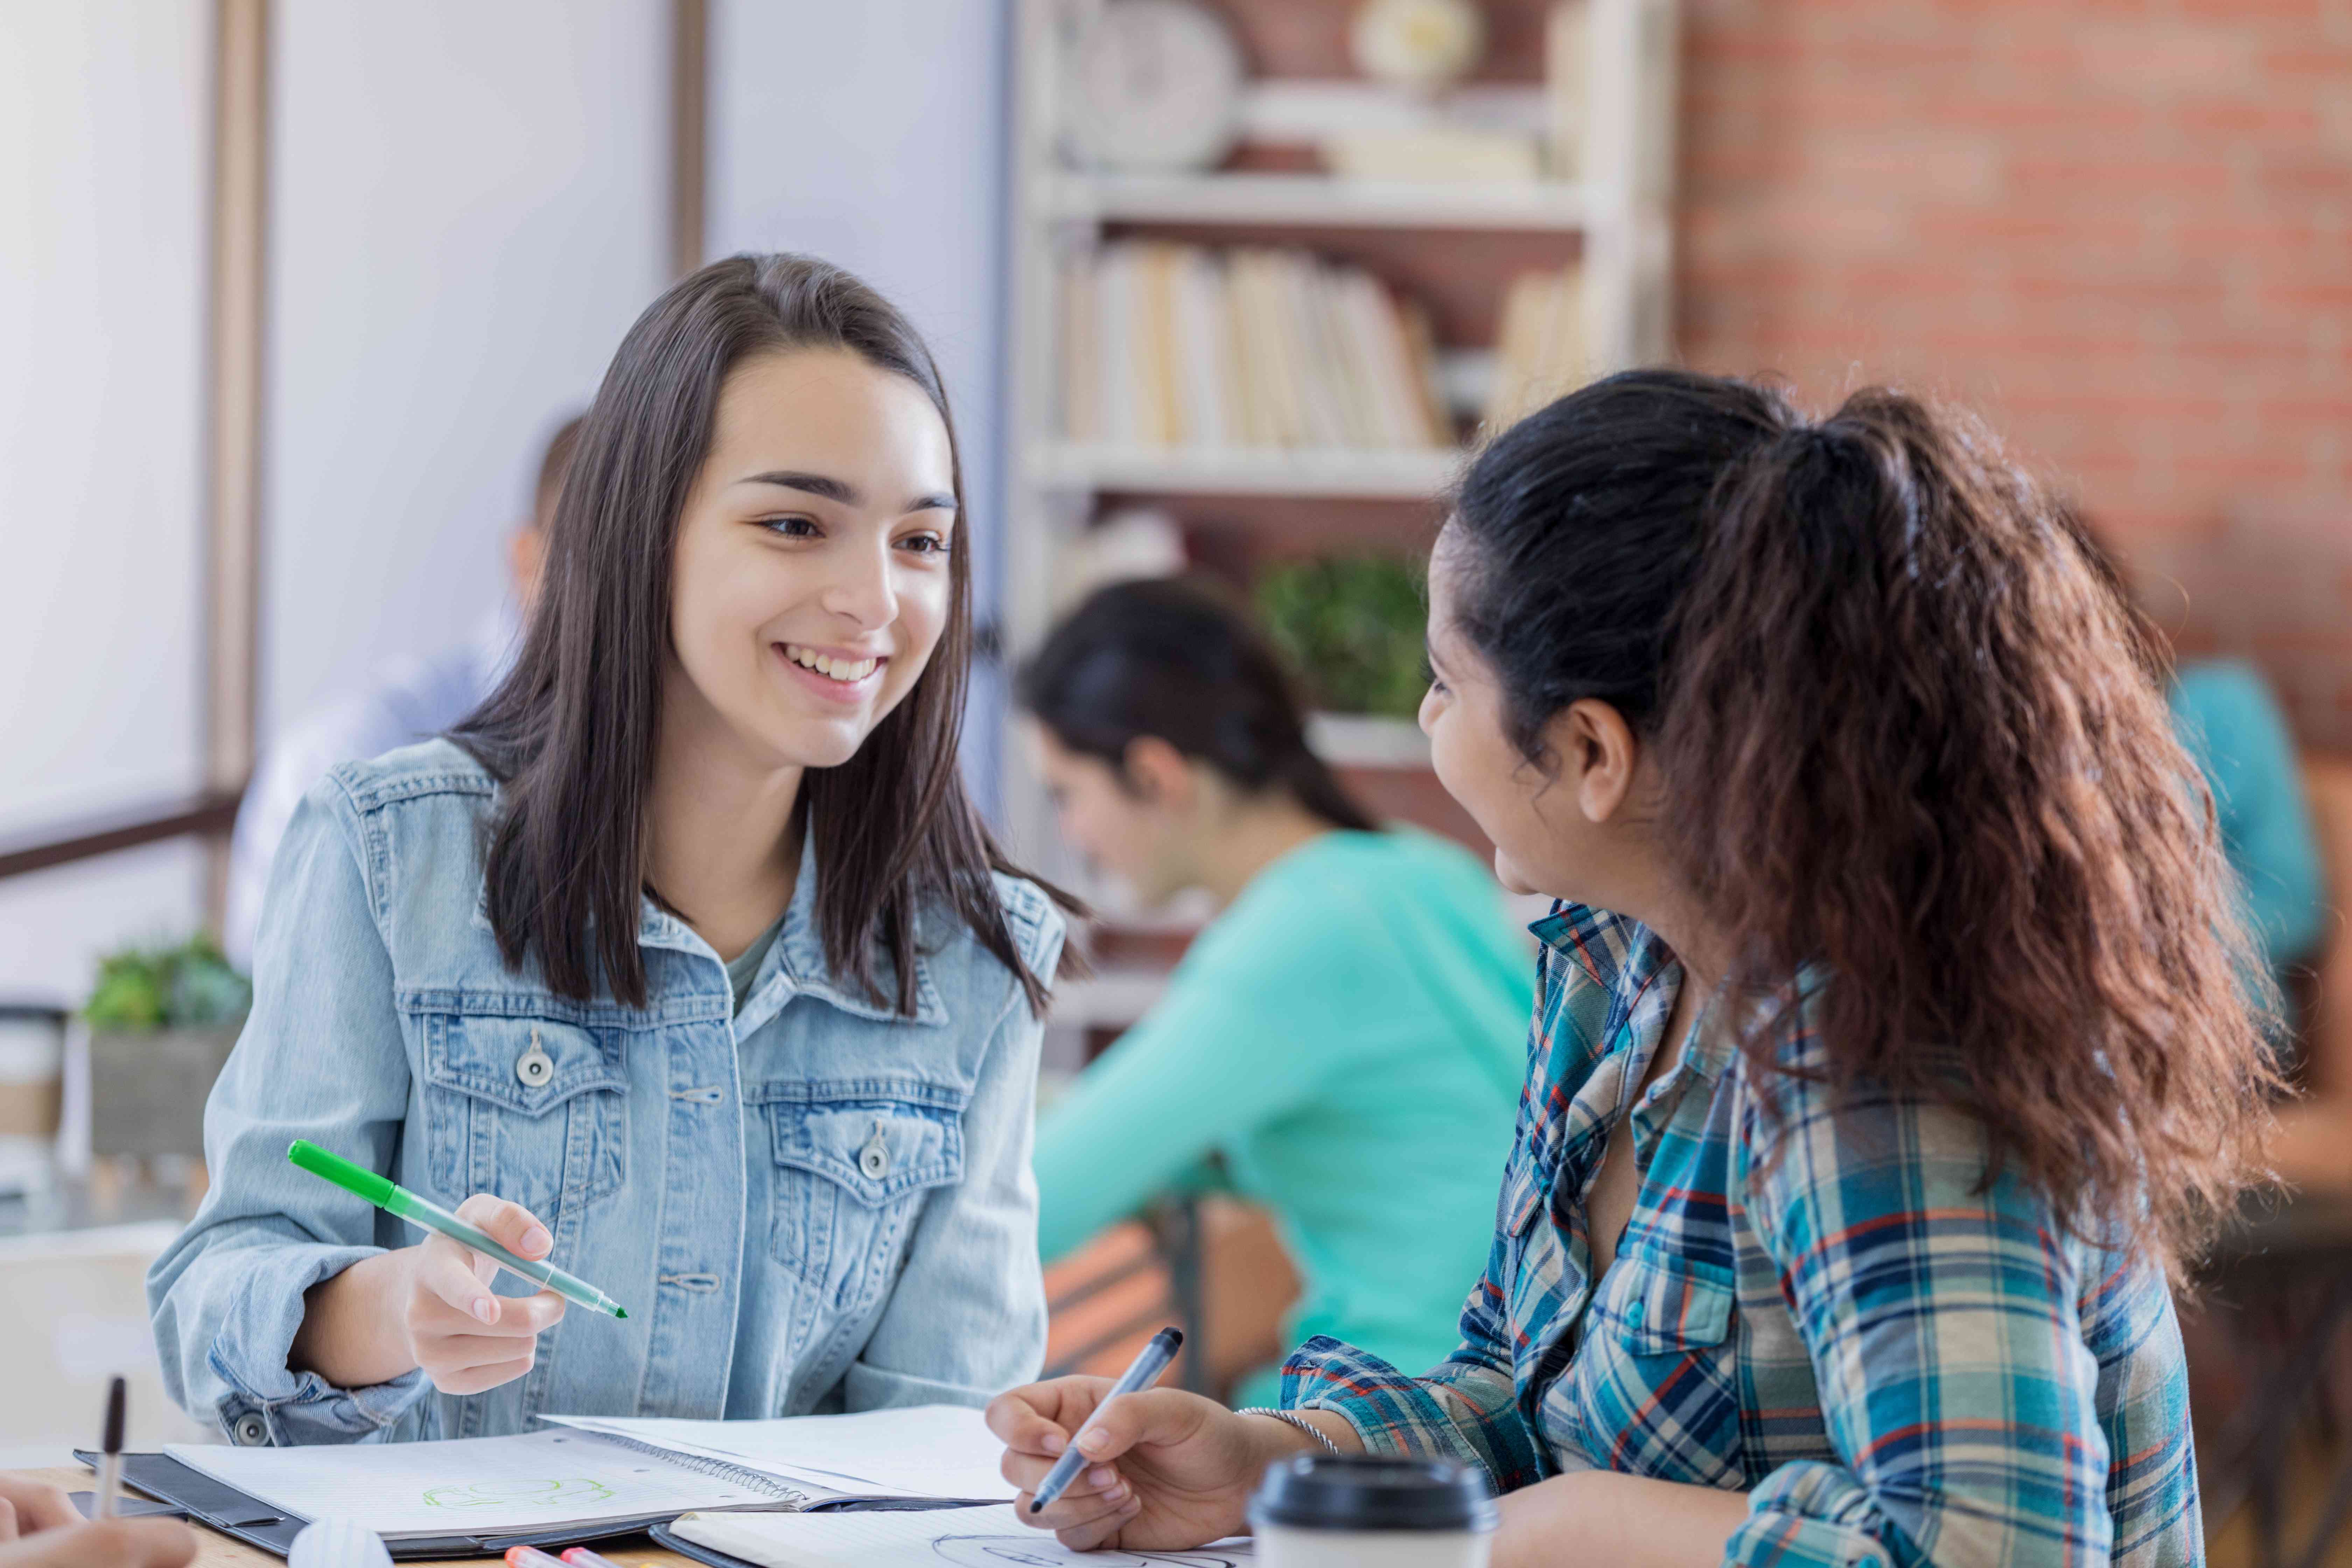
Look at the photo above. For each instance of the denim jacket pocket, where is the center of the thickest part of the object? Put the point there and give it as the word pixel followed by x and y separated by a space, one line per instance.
pixel 530 1109
pixel 852 1169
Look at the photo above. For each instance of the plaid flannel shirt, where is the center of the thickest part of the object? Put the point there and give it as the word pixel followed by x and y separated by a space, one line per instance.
pixel 1821 1310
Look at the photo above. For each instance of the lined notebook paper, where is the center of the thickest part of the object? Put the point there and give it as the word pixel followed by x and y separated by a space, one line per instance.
pixel 969 1537
pixel 476 1486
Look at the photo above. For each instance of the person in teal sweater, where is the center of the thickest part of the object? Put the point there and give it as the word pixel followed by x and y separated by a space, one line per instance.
pixel 2228 721
pixel 1353 1020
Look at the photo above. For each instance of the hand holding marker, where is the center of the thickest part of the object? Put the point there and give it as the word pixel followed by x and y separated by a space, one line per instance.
pixel 395 1199
pixel 1149 1365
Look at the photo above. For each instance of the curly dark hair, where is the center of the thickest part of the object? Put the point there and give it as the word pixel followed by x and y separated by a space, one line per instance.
pixel 1912 734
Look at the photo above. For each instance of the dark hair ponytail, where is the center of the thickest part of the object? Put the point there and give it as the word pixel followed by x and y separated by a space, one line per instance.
pixel 1908 733
pixel 1173 659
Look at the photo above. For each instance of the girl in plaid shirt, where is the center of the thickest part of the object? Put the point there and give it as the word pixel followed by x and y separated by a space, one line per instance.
pixel 1896 1041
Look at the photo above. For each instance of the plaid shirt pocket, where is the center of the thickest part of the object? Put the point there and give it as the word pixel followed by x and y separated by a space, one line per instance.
pixel 1666 1308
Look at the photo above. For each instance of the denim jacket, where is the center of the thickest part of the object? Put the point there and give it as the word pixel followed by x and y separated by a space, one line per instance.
pixel 817 1204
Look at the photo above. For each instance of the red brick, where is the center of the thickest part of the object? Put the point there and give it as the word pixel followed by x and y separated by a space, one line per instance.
pixel 2141 266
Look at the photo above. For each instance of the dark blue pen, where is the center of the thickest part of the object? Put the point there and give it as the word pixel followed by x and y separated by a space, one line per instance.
pixel 1148 1365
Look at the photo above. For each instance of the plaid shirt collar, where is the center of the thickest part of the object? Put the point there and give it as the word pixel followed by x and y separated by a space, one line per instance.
pixel 1624 958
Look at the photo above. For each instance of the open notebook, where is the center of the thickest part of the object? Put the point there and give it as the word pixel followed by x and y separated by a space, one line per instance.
pixel 975 1538
pixel 593 1475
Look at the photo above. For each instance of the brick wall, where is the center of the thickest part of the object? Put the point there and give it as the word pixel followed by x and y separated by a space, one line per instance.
pixel 2124 230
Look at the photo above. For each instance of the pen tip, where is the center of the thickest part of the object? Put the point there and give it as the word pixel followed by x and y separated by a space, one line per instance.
pixel 620 1311
pixel 116 1395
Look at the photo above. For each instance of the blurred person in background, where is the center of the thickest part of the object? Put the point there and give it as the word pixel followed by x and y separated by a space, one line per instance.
pixel 407 702
pixel 1348 1033
pixel 2229 720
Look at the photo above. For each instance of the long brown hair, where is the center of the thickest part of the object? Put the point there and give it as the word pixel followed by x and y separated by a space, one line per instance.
pixel 570 733
pixel 1911 733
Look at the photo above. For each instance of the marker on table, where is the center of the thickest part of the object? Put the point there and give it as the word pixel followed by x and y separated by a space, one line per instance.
pixel 531 1557
pixel 110 1448
pixel 1149 1365
pixel 581 1557
pixel 395 1199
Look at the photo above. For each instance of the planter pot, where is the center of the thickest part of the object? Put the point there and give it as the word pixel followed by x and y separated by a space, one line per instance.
pixel 147 1088
pixel 32 1081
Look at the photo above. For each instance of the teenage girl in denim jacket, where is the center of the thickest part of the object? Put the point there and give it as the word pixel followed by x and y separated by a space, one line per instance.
pixel 685 960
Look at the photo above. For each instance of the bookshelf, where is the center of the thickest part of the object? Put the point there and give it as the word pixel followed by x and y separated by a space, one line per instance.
pixel 1331 474
pixel 1312 201
pixel 1453 244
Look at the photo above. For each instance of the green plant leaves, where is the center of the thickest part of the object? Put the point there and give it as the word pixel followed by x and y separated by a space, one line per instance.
pixel 1352 626
pixel 155 988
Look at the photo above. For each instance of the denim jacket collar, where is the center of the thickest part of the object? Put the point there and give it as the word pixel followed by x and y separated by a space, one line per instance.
pixel 796 964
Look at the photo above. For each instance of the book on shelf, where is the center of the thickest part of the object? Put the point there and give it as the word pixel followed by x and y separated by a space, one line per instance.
pixel 1542 350
pixel 1175 345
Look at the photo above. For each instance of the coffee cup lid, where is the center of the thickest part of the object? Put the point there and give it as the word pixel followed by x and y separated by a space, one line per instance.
pixel 1328 1492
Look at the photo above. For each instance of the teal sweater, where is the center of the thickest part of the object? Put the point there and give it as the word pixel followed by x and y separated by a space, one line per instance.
pixel 2231 724
pixel 1349 1034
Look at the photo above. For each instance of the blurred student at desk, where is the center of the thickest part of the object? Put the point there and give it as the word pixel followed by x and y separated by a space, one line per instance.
pixel 409 701
pixel 1348 1032
pixel 2229 721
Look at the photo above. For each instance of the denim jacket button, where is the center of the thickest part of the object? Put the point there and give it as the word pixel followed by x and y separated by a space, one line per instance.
pixel 534 1066
pixel 875 1158
pixel 250 1431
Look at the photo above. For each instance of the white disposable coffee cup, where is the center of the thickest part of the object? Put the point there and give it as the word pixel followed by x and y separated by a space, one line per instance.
pixel 1325 1511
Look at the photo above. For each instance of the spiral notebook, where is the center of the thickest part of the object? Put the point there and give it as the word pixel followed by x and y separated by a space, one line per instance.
pixel 586 1479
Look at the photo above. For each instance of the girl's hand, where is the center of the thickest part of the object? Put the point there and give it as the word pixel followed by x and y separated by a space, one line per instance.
pixel 1173 1470
pixel 40 1528
pixel 466 1338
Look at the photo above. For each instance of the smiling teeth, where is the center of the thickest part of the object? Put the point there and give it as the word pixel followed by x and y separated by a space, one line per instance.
pixel 848 671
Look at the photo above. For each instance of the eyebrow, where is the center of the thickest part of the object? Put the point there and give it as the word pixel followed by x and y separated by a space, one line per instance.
pixel 841 491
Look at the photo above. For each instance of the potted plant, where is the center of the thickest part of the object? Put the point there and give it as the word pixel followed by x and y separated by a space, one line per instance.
pixel 161 1021
pixel 1351 626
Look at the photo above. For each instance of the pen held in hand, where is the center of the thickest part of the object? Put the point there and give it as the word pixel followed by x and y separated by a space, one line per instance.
pixel 1149 1365
pixel 426 1214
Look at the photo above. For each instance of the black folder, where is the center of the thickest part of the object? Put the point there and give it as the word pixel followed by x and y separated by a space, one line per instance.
pixel 191 1494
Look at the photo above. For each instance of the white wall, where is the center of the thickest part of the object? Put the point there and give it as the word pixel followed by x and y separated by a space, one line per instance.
pixel 103 121
pixel 469 204
pixel 872 134
pixel 102 132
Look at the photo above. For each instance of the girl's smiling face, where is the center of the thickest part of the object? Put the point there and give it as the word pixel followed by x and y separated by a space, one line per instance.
pixel 811 578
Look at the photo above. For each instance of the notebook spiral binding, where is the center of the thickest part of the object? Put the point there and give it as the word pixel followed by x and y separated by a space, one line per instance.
pixel 703 1465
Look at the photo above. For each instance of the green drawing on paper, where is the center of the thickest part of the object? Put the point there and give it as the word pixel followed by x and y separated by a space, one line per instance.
pixel 543 1494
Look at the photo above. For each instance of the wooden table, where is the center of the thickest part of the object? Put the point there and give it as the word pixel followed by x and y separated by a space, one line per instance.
pixel 217 1550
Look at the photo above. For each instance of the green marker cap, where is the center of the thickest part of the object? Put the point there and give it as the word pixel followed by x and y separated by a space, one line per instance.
pixel 377 1190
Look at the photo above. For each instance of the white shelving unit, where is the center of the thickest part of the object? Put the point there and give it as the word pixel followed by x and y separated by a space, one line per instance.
pixel 1367 741
pixel 1339 474
pixel 1316 200
pixel 1617 214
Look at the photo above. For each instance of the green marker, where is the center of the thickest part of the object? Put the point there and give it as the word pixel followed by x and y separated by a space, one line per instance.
pixel 395 1199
